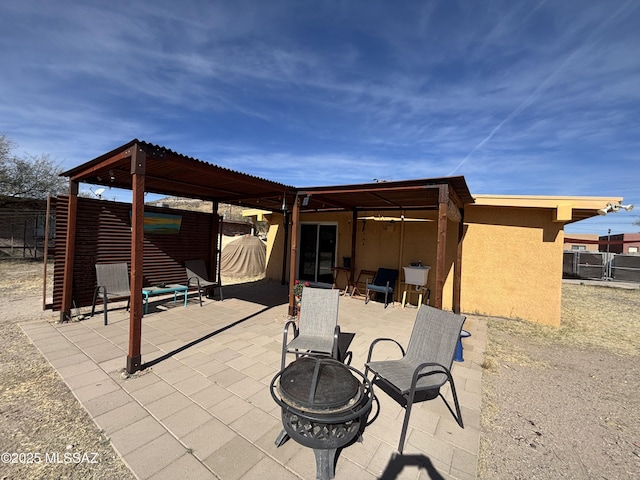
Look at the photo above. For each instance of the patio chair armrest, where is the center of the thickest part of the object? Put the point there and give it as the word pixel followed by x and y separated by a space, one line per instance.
pixel 189 280
pixel 417 375
pixel 377 340
pixel 285 332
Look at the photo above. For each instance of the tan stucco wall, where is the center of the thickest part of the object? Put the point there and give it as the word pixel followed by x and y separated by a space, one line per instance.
pixel 512 263
pixel 275 248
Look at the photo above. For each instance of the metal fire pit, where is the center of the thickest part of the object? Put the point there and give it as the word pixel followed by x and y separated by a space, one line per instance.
pixel 325 405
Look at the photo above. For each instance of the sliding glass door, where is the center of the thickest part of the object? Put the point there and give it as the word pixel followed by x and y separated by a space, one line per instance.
pixel 317 252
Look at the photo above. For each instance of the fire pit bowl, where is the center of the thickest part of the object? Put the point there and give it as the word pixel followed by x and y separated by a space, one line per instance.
pixel 325 406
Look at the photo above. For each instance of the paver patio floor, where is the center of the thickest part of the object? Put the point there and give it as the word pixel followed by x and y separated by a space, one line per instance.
pixel 202 409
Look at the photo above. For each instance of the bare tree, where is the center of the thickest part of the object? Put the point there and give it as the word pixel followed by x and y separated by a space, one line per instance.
pixel 28 176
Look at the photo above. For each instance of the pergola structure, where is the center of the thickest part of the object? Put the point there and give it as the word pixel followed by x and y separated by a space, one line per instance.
pixel 447 196
pixel 142 167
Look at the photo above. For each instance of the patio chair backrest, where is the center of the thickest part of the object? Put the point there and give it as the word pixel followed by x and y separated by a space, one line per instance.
pixel 113 276
pixel 434 337
pixel 319 311
pixel 385 275
pixel 196 268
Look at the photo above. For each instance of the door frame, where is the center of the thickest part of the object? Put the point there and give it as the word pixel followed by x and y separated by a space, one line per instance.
pixel 299 249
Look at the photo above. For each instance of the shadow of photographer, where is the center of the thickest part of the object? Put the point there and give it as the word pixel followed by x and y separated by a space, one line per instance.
pixel 398 462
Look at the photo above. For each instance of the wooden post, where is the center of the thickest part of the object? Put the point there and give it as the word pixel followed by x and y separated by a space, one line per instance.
pixel 457 273
pixel 216 244
pixel 441 249
pixel 138 165
pixel 285 248
pixel 354 233
pixel 295 217
pixel 69 253
pixel 46 253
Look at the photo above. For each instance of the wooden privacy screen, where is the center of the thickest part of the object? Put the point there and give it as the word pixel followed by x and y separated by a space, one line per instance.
pixel 103 235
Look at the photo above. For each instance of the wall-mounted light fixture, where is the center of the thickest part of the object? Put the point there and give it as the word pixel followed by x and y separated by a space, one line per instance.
pixel 614 207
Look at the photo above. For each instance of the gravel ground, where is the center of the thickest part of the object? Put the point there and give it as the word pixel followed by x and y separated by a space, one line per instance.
pixel 43 428
pixel 564 403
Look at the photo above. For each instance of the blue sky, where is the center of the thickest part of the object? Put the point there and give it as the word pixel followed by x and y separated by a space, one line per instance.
pixel 520 97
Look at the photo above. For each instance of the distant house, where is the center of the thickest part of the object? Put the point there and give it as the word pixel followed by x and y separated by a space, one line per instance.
pixel 581 242
pixel 628 243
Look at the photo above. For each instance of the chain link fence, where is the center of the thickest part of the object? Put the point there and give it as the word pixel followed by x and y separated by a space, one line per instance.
pixel 601 266
pixel 22 234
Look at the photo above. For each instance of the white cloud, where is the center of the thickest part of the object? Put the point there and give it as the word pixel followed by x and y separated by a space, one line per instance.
pixel 524 97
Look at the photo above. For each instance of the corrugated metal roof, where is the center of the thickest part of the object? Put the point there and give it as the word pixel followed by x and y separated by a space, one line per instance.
pixel 170 173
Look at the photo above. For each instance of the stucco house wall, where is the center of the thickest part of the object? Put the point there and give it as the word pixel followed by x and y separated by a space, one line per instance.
pixel 512 263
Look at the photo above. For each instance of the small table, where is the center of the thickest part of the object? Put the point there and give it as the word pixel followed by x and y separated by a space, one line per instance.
pixel 336 273
pixel 160 289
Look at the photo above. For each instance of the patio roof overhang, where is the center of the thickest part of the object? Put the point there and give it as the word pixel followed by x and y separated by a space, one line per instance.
pixel 565 209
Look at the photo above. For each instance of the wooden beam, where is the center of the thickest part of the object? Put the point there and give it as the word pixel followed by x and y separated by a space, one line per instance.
pixel 138 164
pixel 45 254
pixel 295 217
pixel 457 273
pixel 216 243
pixel 364 188
pixel 441 248
pixel 285 248
pixel 354 233
pixel 69 254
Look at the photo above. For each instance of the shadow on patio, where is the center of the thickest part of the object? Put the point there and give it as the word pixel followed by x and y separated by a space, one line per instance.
pixel 202 407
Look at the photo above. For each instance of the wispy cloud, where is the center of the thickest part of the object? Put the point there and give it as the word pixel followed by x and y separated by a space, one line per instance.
pixel 517 96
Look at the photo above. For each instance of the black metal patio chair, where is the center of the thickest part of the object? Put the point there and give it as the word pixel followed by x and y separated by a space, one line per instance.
pixel 198 277
pixel 112 281
pixel 424 367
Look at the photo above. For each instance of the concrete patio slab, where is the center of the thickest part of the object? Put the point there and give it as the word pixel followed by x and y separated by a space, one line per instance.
pixel 202 409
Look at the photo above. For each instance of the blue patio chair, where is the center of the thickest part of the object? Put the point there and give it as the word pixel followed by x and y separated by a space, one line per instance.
pixel 383 282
